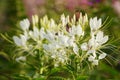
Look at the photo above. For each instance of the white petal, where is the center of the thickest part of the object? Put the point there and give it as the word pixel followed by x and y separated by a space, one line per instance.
pixel 99 23
pixel 71 41
pixel 91 42
pixel 93 27
pixel 91 23
pixel 63 19
pixel 73 31
pixel 95 19
pixel 36 32
pixel 90 51
pixel 85 18
pixel 95 62
pixel 95 22
pixel 25 24
pixel 103 55
pixel 46 47
pixel 49 36
pixel 84 46
pixel 91 58
pixel 49 47
pixel 99 36
pixel 42 33
pixel 26 35
pixel 53 55
pixel 31 34
pixel 35 19
pixel 17 41
pixel 75 49
pixel 79 30
pixel 63 39
pixel 52 23
pixel 23 39
pixel 104 40
pixel 68 19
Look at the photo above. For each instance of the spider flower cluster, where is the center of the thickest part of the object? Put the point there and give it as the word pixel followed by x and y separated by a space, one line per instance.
pixel 78 36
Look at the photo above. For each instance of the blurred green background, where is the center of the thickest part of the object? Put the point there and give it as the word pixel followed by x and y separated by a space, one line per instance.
pixel 12 11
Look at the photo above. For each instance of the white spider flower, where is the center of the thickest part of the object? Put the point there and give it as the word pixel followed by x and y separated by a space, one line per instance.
pixel 95 41
pixel 92 46
pixel 58 41
pixel 25 24
pixel 100 38
pixel 93 60
pixel 103 55
pixel 95 24
pixel 20 41
pixel 63 40
pixel 76 30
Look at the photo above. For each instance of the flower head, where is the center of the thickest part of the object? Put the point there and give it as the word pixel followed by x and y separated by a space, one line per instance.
pixel 58 44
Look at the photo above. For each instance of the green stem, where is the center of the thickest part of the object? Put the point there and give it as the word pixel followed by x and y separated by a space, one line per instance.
pixel 73 76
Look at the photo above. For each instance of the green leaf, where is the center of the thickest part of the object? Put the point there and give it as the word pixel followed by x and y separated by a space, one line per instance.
pixel 39 79
pixel 5 55
pixel 5 37
pixel 20 77
pixel 82 77
pixel 70 67
pixel 56 78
